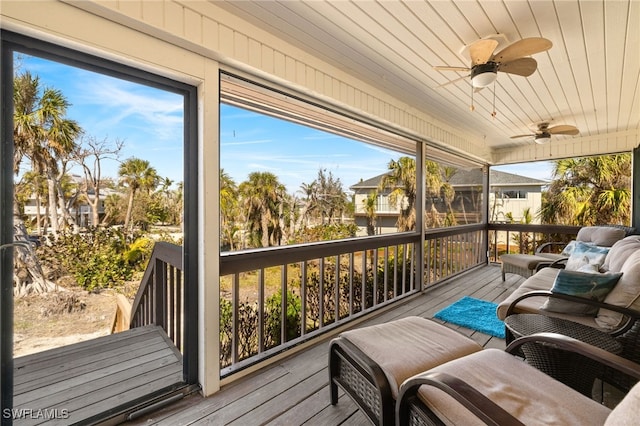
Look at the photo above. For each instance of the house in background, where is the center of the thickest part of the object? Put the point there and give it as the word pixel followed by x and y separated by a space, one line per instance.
pixel 80 209
pixel 509 195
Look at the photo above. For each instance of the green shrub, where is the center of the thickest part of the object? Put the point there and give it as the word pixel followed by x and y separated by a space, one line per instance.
pixel 94 258
pixel 273 318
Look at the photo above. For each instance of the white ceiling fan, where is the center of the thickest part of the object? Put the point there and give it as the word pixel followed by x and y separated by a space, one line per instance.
pixel 544 132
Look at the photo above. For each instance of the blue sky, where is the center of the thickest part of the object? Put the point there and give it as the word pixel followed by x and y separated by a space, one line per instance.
pixel 539 170
pixel 149 121
pixel 254 142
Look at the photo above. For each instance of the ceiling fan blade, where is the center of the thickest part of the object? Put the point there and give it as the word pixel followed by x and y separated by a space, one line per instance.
pixel 452 81
pixel 563 129
pixel 521 66
pixel 522 136
pixel 524 47
pixel 446 68
pixel 481 50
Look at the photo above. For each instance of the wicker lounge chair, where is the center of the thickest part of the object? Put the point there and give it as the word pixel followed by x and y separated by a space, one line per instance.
pixel 628 334
pixel 496 388
pixel 528 264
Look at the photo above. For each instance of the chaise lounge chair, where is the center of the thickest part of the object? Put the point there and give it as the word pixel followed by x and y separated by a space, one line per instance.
pixel 496 388
pixel 528 264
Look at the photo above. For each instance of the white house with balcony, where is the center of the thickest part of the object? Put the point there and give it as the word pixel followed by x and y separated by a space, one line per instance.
pixel 510 195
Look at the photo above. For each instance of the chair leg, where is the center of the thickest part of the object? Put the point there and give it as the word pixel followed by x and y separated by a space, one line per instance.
pixel 333 366
pixel 502 271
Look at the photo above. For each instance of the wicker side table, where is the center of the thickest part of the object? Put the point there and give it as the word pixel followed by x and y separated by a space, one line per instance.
pixel 571 369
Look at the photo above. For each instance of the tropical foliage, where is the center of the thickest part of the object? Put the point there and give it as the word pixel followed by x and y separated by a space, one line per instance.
pixel 260 213
pixel 589 191
pixel 47 145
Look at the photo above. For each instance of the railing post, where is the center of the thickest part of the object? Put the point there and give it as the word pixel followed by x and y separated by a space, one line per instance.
pixel 160 287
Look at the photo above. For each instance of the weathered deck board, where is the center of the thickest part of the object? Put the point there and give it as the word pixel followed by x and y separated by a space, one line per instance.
pixel 295 391
pixel 96 376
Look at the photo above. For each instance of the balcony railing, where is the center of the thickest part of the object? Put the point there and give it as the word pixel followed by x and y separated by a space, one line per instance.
pixel 160 296
pixel 275 298
pixel 451 251
pixel 522 238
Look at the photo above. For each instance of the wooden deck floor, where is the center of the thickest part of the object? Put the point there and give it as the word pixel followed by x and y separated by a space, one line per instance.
pixel 83 381
pixel 295 391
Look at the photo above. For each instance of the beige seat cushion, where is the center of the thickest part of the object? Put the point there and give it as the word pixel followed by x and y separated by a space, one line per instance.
pixel 541 280
pixel 626 293
pixel 531 396
pixel 620 252
pixel 408 346
pixel 627 412
pixel 524 261
pixel 604 236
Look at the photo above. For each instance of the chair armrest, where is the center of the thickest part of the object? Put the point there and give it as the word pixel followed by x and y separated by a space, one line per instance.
pixel 477 403
pixel 558 264
pixel 630 313
pixel 550 244
pixel 570 344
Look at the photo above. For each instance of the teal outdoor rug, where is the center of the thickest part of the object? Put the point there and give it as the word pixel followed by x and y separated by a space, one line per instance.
pixel 475 314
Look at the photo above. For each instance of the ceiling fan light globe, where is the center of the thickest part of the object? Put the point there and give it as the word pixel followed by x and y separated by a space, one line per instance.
pixel 541 140
pixel 483 79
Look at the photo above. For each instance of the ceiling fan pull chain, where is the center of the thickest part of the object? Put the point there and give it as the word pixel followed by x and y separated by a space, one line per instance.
pixel 494 113
pixel 472 106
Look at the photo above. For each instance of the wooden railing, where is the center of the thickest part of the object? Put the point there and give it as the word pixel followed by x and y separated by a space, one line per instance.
pixel 275 298
pixel 522 238
pixel 122 317
pixel 160 297
pixel 451 251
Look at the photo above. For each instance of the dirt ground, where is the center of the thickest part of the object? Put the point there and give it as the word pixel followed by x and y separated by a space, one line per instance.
pixel 43 321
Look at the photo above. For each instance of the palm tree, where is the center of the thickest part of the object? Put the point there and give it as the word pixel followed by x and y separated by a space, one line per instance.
pixel 370 204
pixel 310 193
pixel 433 187
pixel 43 134
pixel 402 181
pixel 589 191
pixel 136 174
pixel 261 196
pixel 113 204
pixel 449 193
pixel 228 209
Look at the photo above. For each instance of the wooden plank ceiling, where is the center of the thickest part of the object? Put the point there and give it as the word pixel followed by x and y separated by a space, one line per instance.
pixel 590 78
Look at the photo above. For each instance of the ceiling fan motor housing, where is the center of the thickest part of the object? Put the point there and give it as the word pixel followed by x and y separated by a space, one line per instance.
pixel 542 138
pixel 480 80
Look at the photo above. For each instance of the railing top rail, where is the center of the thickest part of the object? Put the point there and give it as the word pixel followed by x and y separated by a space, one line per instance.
pixel 167 252
pixel 544 229
pixel 248 260
pixel 454 230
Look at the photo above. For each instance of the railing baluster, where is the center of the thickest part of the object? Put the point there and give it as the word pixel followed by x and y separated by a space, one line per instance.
pixel 303 297
pixel 321 294
pixel 363 295
pixel 351 255
pixel 235 298
pixel 395 272
pixel 283 303
pixel 386 273
pixel 374 269
pixel 179 312
pixel 337 289
pixel 261 310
